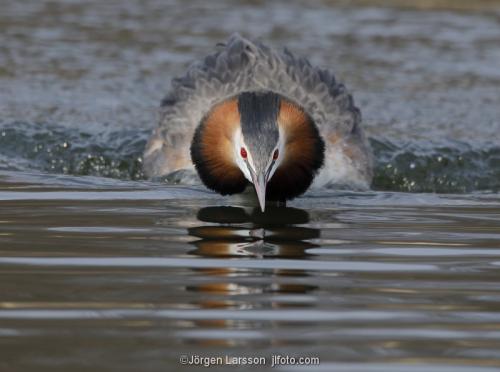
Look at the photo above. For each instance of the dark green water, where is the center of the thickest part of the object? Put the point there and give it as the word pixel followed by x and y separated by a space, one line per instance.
pixel 103 270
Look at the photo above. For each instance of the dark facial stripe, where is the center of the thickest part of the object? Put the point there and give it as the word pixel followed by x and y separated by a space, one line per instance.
pixel 259 113
pixel 258 110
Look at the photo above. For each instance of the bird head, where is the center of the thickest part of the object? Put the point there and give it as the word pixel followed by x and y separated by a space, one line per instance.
pixel 258 142
pixel 261 138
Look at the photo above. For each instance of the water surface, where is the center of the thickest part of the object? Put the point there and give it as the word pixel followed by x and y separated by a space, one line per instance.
pixel 104 270
pixel 124 276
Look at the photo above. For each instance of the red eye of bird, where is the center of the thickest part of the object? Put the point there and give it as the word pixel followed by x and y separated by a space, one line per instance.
pixel 276 154
pixel 243 153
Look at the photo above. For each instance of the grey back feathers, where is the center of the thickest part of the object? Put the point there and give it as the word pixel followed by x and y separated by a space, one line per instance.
pixel 259 115
pixel 243 65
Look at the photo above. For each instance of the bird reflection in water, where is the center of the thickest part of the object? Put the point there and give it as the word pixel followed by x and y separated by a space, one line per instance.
pixel 249 232
pixel 234 232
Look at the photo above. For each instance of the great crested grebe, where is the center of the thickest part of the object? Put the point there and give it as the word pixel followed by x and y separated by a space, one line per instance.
pixel 251 114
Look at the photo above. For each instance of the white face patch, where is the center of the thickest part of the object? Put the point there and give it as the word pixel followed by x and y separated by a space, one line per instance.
pixel 281 152
pixel 242 164
pixel 239 143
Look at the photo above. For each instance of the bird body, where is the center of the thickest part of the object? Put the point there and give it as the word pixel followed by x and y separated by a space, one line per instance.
pixel 251 114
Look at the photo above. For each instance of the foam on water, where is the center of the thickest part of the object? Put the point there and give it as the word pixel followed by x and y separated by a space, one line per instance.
pixel 418 166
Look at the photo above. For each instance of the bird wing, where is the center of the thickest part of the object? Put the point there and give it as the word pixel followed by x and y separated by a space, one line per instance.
pixel 244 65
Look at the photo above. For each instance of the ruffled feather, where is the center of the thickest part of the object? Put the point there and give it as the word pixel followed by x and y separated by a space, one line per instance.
pixel 243 65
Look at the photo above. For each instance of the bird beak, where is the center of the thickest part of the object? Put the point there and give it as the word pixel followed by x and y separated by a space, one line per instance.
pixel 259 182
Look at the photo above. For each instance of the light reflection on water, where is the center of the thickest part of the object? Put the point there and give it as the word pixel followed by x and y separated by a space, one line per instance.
pixel 109 275
pixel 355 277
